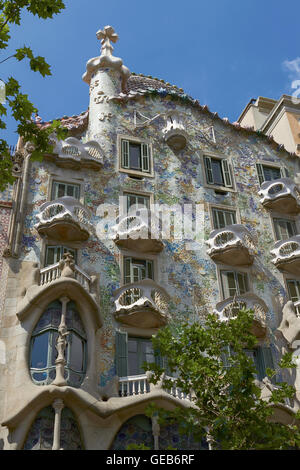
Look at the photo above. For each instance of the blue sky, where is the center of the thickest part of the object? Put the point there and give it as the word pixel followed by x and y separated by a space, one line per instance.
pixel 222 52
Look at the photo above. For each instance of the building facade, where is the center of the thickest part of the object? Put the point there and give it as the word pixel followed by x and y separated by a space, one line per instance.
pixel 82 292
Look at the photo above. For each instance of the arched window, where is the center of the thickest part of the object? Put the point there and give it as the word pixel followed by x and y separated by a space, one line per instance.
pixel 41 433
pixel 43 352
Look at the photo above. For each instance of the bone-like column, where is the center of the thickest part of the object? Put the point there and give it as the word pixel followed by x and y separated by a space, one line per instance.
pixel 58 406
pixel 61 345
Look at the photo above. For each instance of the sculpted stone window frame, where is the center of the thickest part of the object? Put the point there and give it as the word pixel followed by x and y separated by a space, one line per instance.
pixel 44 346
pixel 54 253
pixel 218 172
pixel 135 156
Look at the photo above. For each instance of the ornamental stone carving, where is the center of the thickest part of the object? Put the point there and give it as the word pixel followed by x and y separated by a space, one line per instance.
pixel 290 323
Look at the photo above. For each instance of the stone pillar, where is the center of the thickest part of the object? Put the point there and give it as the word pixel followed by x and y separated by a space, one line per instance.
pixel 61 345
pixel 155 431
pixel 58 406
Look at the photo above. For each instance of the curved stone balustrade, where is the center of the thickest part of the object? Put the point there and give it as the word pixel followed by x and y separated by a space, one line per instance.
pixel 174 132
pixel 287 255
pixel 281 195
pixel 232 245
pixel 53 272
pixel 142 304
pixel 139 232
pixel 229 308
pixel 64 219
pixel 72 151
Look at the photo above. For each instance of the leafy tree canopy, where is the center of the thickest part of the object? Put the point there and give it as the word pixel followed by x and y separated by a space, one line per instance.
pixel 209 363
pixel 21 107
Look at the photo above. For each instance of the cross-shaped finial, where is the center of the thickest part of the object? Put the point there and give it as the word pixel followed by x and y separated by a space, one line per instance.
pixel 106 35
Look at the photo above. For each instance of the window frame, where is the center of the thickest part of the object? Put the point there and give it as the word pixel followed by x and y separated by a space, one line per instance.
pixel 59 178
pixel 135 140
pixel 283 170
pixel 214 207
pixel 286 220
pixel 240 269
pixel 277 215
pixel 47 246
pixel 215 156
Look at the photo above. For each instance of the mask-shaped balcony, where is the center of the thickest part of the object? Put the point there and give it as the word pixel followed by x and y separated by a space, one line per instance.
pixel 64 219
pixel 175 133
pixel 229 308
pixel 232 245
pixel 281 195
pixel 287 255
pixel 143 304
pixel 138 233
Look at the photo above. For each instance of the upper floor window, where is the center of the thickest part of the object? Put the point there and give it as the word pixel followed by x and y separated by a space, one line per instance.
pixel 43 351
pixel 234 283
pixel 135 156
pixel 269 173
pixel 60 189
pixel 284 228
pixel 222 217
pixel 218 172
pixel 136 270
pixel 55 253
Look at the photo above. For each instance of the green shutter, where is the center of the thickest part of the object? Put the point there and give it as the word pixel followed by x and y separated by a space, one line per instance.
pixel 145 158
pixel 125 154
pixel 208 170
pixel 226 173
pixel 121 353
pixel 260 172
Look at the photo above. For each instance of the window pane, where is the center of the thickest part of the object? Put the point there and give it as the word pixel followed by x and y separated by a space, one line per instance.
pixel 39 351
pixel 77 353
pixel 50 256
pixel 135 156
pixel 61 190
pixel 221 220
pixel 271 173
pixel 230 218
pixel 231 284
pixel 132 357
pixel 217 172
pixel 242 282
pixel 148 354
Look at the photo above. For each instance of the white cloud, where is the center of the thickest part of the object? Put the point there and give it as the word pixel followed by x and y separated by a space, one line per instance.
pixel 293 67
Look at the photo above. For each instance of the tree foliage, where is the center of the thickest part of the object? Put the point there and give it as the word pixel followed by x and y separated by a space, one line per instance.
pixel 22 109
pixel 226 396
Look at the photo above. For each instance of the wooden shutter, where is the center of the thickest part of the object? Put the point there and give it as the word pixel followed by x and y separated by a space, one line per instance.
pixel 122 353
pixel 284 172
pixel 226 173
pixel 125 154
pixel 208 170
pixel 260 172
pixel 145 158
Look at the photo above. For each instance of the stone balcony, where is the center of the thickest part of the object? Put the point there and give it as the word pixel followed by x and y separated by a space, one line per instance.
pixel 281 195
pixel 64 219
pixel 174 132
pixel 232 245
pixel 229 308
pixel 134 232
pixel 287 255
pixel 142 304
